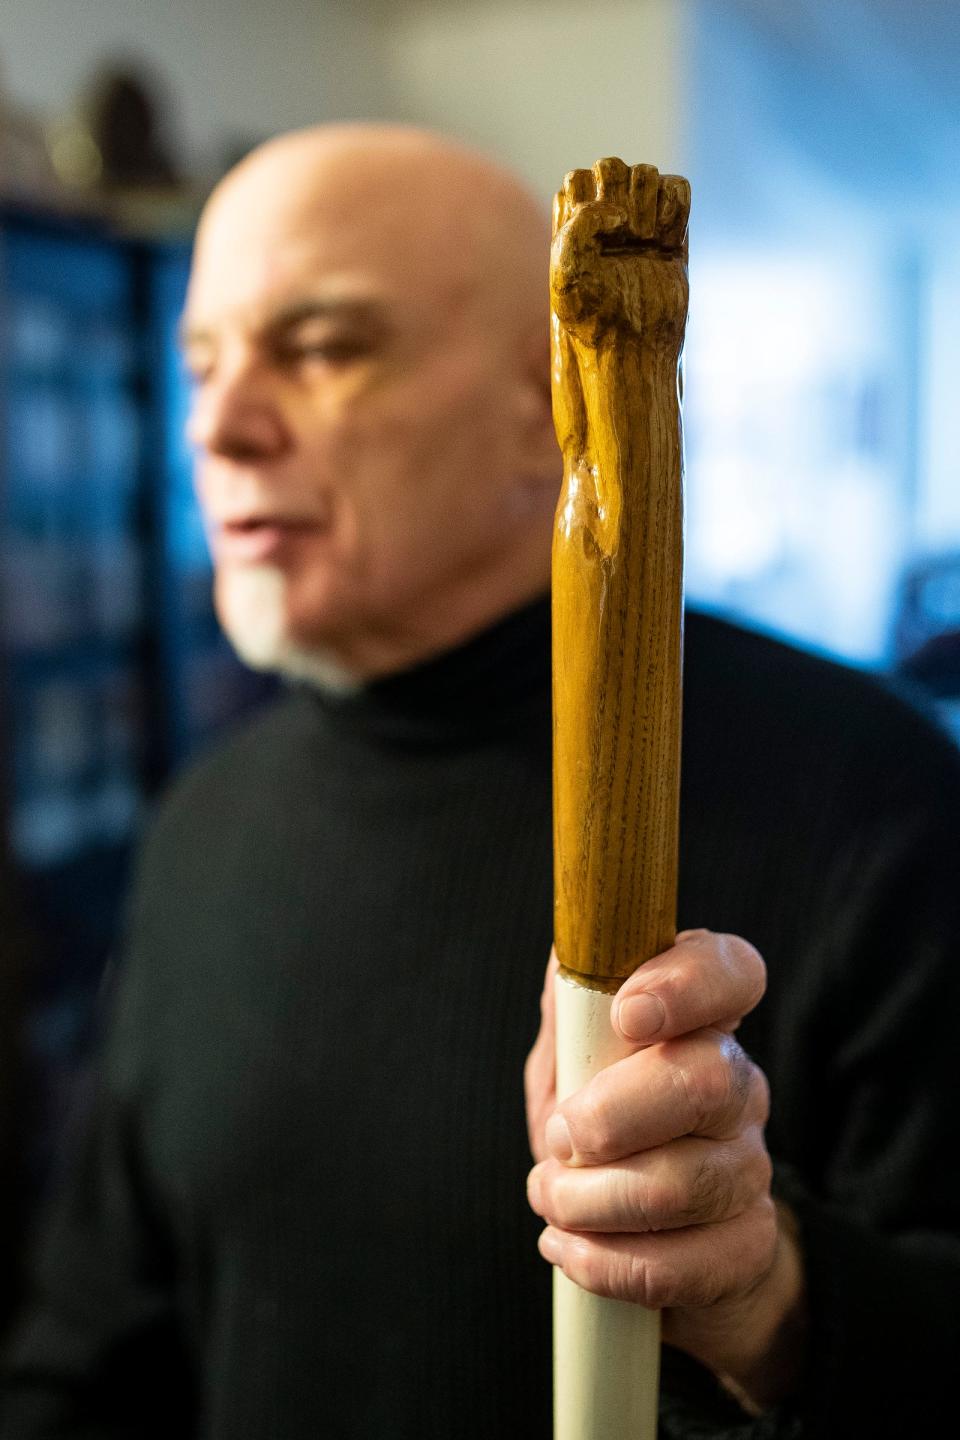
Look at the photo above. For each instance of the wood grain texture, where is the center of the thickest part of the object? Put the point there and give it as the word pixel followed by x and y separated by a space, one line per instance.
pixel 618 288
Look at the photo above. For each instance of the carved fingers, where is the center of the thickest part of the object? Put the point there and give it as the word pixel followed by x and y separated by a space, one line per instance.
pixel 649 206
pixel 673 212
pixel 578 188
pixel 644 188
pixel 611 225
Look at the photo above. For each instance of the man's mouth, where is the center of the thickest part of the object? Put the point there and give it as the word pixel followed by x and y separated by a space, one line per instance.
pixel 256 539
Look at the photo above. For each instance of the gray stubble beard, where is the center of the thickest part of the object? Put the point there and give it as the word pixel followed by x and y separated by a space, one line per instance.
pixel 253 615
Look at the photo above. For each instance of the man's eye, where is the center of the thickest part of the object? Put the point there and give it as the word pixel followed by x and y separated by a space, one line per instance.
pixel 333 349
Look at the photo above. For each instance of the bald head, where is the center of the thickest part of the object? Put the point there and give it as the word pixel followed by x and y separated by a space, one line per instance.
pixel 447 220
pixel 367 322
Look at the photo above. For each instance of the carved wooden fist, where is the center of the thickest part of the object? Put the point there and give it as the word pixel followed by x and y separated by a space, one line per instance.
pixel 619 255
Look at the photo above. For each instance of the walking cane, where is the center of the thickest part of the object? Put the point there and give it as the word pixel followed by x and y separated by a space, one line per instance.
pixel 618 287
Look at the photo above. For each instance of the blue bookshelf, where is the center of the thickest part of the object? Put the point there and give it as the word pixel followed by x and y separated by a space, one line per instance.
pixel 113 672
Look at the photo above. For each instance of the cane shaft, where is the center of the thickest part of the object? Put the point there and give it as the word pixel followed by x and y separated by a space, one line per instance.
pixel 607 1352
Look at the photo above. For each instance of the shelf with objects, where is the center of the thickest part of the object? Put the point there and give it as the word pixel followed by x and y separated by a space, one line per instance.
pixel 114 671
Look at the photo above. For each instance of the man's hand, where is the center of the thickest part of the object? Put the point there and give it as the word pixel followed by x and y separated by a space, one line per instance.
pixel 654 1178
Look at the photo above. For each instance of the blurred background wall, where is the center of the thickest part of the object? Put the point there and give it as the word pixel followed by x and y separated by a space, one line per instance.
pixel 823 360
pixel 546 85
pixel 823 151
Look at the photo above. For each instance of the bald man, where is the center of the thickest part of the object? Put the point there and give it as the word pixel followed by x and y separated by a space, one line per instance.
pixel 393 289
pixel 297 1206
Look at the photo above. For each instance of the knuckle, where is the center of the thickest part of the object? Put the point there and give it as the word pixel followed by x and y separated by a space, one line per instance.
pixel 763 1169
pixel 756 1247
pixel 687 936
pixel 672 987
pixel 749 963
pixel 764 1232
pixel 620 1273
pixel 630 1275
pixel 716 1079
pixel 627 1200
pixel 584 1265
pixel 741 1073
pixel 590 1125
pixel 651 1282
pixel 560 1199
pixel 695 1288
pixel 705 1085
pixel 712 1194
pixel 759 1094
pixel 689 1093
pixel 751 1178
pixel 656 1206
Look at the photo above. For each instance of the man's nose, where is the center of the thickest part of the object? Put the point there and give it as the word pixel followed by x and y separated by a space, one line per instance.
pixel 237 415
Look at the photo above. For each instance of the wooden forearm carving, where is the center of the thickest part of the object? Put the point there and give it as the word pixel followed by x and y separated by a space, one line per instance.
pixel 619 295
pixel 618 284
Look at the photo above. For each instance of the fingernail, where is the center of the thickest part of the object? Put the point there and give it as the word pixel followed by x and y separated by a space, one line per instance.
pixel 533 1190
pixel 550 1246
pixel 641 1016
pixel 557 1136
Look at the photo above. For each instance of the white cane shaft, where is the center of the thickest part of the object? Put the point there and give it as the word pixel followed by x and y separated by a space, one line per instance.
pixel 606 1353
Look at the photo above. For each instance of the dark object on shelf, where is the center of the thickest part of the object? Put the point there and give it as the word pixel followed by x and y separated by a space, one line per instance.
pixel 126 122
pixel 936 665
pixel 927 627
pixel 926 636
pixel 114 156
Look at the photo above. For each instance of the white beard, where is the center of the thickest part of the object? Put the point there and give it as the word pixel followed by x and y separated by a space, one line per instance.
pixel 253 613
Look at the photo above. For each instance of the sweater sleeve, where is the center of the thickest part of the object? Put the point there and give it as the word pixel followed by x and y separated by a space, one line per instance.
pixel 96 1353
pixel 881 1229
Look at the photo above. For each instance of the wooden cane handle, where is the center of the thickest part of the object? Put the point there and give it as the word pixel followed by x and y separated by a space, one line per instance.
pixel 618 283
pixel 618 289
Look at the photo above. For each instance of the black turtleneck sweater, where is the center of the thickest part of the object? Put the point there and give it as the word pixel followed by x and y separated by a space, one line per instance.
pixel 297 1205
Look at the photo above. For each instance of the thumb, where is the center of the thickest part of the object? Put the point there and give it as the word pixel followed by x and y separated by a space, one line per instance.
pixel 539 1075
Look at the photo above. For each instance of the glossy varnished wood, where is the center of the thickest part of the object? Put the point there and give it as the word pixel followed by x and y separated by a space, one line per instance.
pixel 618 284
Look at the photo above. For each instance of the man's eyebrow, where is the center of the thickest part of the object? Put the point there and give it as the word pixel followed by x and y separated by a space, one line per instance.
pixel 370 312
pixel 342 308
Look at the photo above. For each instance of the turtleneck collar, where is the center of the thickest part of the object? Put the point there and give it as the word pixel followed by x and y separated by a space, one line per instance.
pixel 492 682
